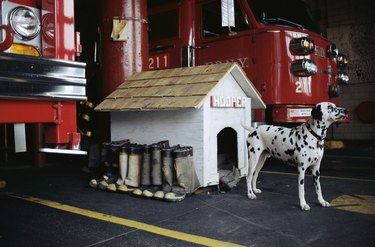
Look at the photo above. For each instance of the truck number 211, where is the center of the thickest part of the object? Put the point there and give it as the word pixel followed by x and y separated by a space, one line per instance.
pixel 159 61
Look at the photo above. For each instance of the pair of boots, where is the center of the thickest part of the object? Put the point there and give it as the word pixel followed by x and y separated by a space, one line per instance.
pixel 178 174
pixel 151 176
pixel 109 156
pixel 130 159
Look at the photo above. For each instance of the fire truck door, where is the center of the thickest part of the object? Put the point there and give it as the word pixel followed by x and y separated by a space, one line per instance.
pixel 220 44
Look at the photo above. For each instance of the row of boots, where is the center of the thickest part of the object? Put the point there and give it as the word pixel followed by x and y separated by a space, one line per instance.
pixel 152 171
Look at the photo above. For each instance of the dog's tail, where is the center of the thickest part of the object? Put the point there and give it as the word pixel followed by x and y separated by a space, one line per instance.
pixel 248 128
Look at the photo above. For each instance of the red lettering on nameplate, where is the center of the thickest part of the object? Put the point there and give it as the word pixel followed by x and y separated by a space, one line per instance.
pixel 228 102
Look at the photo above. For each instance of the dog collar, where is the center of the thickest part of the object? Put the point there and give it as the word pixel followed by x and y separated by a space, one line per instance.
pixel 313 132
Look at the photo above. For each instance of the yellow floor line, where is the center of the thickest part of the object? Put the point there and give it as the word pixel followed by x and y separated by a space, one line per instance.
pixel 128 223
pixel 330 177
pixel 364 204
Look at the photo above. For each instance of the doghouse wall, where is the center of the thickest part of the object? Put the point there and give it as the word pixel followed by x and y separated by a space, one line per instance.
pixel 184 127
pixel 216 119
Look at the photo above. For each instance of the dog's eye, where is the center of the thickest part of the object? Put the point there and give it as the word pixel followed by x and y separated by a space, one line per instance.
pixel 329 108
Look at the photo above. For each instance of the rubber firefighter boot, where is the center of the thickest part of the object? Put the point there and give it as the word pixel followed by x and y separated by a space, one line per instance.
pixel 134 173
pixel 110 177
pixel 146 166
pixel 177 192
pixel 119 185
pixel 168 173
pixel 195 184
pixel 145 173
pixel 185 170
pixel 114 153
pixel 156 173
pixel 123 168
pixel 167 168
pixel 94 183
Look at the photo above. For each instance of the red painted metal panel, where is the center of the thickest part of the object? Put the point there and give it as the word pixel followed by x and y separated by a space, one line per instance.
pixel 26 111
pixel 60 117
pixel 8 40
pixel 58 29
pixel 64 123
pixel 120 59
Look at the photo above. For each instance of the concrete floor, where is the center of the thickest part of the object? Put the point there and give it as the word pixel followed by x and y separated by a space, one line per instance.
pixel 54 206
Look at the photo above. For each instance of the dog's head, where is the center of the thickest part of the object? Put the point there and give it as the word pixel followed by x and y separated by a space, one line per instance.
pixel 328 112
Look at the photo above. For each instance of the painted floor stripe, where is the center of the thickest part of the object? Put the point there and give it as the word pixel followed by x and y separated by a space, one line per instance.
pixel 330 177
pixel 364 204
pixel 125 222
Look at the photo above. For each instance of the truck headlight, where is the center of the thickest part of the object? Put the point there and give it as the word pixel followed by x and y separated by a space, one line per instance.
pixel 24 22
pixel 342 77
pixel 302 46
pixel 304 67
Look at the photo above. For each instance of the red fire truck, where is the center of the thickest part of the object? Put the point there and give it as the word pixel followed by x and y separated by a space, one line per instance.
pixel 40 81
pixel 277 43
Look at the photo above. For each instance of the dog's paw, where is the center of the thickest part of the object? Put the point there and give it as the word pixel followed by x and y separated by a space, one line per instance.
pixel 325 204
pixel 305 207
pixel 251 196
pixel 258 191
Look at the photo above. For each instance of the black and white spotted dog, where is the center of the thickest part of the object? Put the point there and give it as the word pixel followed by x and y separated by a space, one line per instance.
pixel 301 146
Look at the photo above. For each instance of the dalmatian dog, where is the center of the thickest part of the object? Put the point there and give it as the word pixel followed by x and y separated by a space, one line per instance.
pixel 301 146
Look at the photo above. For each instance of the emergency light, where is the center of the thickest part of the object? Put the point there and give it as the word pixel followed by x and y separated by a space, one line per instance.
pixel 342 77
pixel 304 67
pixel 302 46
pixel 24 50
pixel 342 60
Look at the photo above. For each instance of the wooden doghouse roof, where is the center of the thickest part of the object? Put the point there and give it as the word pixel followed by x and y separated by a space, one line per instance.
pixel 179 88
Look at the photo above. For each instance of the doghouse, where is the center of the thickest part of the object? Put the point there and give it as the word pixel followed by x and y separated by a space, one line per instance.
pixel 200 106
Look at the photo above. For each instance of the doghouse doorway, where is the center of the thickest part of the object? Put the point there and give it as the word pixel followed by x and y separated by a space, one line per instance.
pixel 227 153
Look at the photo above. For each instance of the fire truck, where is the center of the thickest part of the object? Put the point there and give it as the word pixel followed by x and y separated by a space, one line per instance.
pixel 40 81
pixel 277 43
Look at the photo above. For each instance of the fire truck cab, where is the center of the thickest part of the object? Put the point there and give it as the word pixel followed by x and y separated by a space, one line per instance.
pixel 277 44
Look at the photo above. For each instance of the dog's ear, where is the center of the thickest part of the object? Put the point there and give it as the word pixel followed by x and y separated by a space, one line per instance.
pixel 317 113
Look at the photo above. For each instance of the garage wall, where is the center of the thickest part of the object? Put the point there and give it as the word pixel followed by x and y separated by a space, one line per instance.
pixel 351 25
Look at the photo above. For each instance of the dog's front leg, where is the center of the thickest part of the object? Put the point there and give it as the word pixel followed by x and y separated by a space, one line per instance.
pixel 318 189
pixel 301 188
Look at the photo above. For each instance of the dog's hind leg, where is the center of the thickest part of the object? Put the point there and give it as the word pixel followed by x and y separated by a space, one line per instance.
pixel 258 167
pixel 253 161
pixel 318 189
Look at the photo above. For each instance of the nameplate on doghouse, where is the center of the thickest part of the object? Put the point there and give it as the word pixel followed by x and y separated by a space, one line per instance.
pixel 228 101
